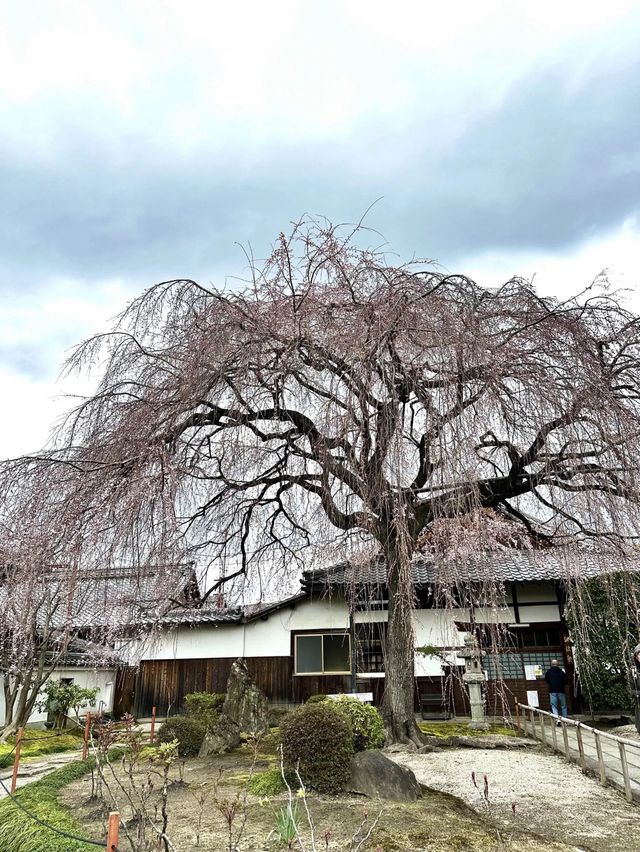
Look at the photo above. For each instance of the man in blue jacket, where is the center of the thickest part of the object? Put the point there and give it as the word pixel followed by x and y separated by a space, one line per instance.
pixel 557 680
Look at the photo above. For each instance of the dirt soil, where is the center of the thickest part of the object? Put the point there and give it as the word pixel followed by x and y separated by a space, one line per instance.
pixel 553 797
pixel 438 822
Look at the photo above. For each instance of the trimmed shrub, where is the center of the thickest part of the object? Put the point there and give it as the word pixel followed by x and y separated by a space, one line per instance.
pixel 204 706
pixel 316 699
pixel 277 713
pixel 189 732
pixel 318 739
pixel 366 722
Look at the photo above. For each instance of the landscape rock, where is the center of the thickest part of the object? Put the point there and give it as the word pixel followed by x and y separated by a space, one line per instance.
pixel 245 711
pixel 400 748
pixel 375 776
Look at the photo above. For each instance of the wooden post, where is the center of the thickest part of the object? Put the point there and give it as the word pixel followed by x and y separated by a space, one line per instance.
pixel 625 771
pixel 113 832
pixel 601 766
pixel 87 731
pixel 543 730
pixel 554 734
pixel 565 737
pixel 580 745
pixel 16 760
pixel 152 732
pixel 517 714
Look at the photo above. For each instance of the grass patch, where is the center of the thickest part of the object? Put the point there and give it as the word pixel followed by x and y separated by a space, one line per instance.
pixel 461 729
pixel 267 783
pixel 19 833
pixel 36 744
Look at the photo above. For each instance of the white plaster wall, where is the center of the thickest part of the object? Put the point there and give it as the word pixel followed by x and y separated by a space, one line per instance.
pixel 531 614
pixel 527 592
pixel 270 637
pixel 495 615
pixel 435 627
pixel 104 679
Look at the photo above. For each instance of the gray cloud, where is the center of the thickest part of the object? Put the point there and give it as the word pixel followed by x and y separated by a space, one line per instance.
pixel 545 169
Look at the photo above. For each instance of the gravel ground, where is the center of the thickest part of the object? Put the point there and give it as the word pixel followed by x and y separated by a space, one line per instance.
pixel 627 731
pixel 553 798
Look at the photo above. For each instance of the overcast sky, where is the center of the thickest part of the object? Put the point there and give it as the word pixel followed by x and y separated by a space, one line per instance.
pixel 144 140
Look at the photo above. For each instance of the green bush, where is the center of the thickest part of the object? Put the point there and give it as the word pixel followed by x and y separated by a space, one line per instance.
pixel 189 732
pixel 318 739
pixel 268 783
pixel 205 706
pixel 366 722
pixel 316 699
pixel 277 713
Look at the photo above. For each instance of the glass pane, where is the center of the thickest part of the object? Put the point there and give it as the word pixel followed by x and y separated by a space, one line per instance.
pixel 503 666
pixel 308 654
pixel 336 653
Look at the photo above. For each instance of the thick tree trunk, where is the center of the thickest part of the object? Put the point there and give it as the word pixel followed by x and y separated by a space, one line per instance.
pixel 399 657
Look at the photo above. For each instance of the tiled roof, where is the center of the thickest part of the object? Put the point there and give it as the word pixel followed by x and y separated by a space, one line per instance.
pixel 201 615
pixel 508 565
pixel 109 599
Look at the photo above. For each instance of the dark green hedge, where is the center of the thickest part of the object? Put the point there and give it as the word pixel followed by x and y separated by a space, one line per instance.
pixel 318 738
pixel 188 730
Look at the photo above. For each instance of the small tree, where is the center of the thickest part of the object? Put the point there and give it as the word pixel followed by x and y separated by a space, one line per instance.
pixel 59 697
pixel 35 634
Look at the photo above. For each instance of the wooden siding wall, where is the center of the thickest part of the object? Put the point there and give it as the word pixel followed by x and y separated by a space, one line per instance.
pixel 164 683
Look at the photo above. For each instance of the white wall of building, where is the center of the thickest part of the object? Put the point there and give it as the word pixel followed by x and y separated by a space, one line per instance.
pixel 271 636
pixel 104 679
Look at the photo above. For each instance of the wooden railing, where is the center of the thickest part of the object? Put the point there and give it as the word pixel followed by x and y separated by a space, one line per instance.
pixel 535 718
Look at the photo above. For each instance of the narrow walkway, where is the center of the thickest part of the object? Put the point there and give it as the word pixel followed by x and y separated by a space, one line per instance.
pixel 33 770
pixel 550 733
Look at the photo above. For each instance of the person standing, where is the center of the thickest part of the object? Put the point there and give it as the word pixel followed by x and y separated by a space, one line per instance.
pixel 557 680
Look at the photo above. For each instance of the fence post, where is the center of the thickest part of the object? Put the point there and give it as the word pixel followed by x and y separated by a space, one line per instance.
pixel 517 714
pixel 601 766
pixel 565 737
pixel 16 759
pixel 152 732
pixel 580 745
pixel 554 734
pixel 543 730
pixel 113 832
pixel 625 771
pixel 85 742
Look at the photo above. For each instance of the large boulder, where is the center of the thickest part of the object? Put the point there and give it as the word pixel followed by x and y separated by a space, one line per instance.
pixel 375 776
pixel 245 711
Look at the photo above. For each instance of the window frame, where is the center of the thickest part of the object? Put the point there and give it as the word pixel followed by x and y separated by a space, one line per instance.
pixel 321 633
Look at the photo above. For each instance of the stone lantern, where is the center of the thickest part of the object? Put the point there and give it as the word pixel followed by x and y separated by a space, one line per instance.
pixel 474 678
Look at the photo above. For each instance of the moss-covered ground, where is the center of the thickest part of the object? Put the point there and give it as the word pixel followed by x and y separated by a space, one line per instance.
pixel 37 744
pixel 457 729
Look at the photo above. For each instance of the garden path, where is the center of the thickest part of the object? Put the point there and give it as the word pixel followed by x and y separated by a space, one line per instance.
pixel 553 797
pixel 33 770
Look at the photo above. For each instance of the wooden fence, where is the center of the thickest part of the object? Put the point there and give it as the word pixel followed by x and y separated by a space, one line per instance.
pixel 610 756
